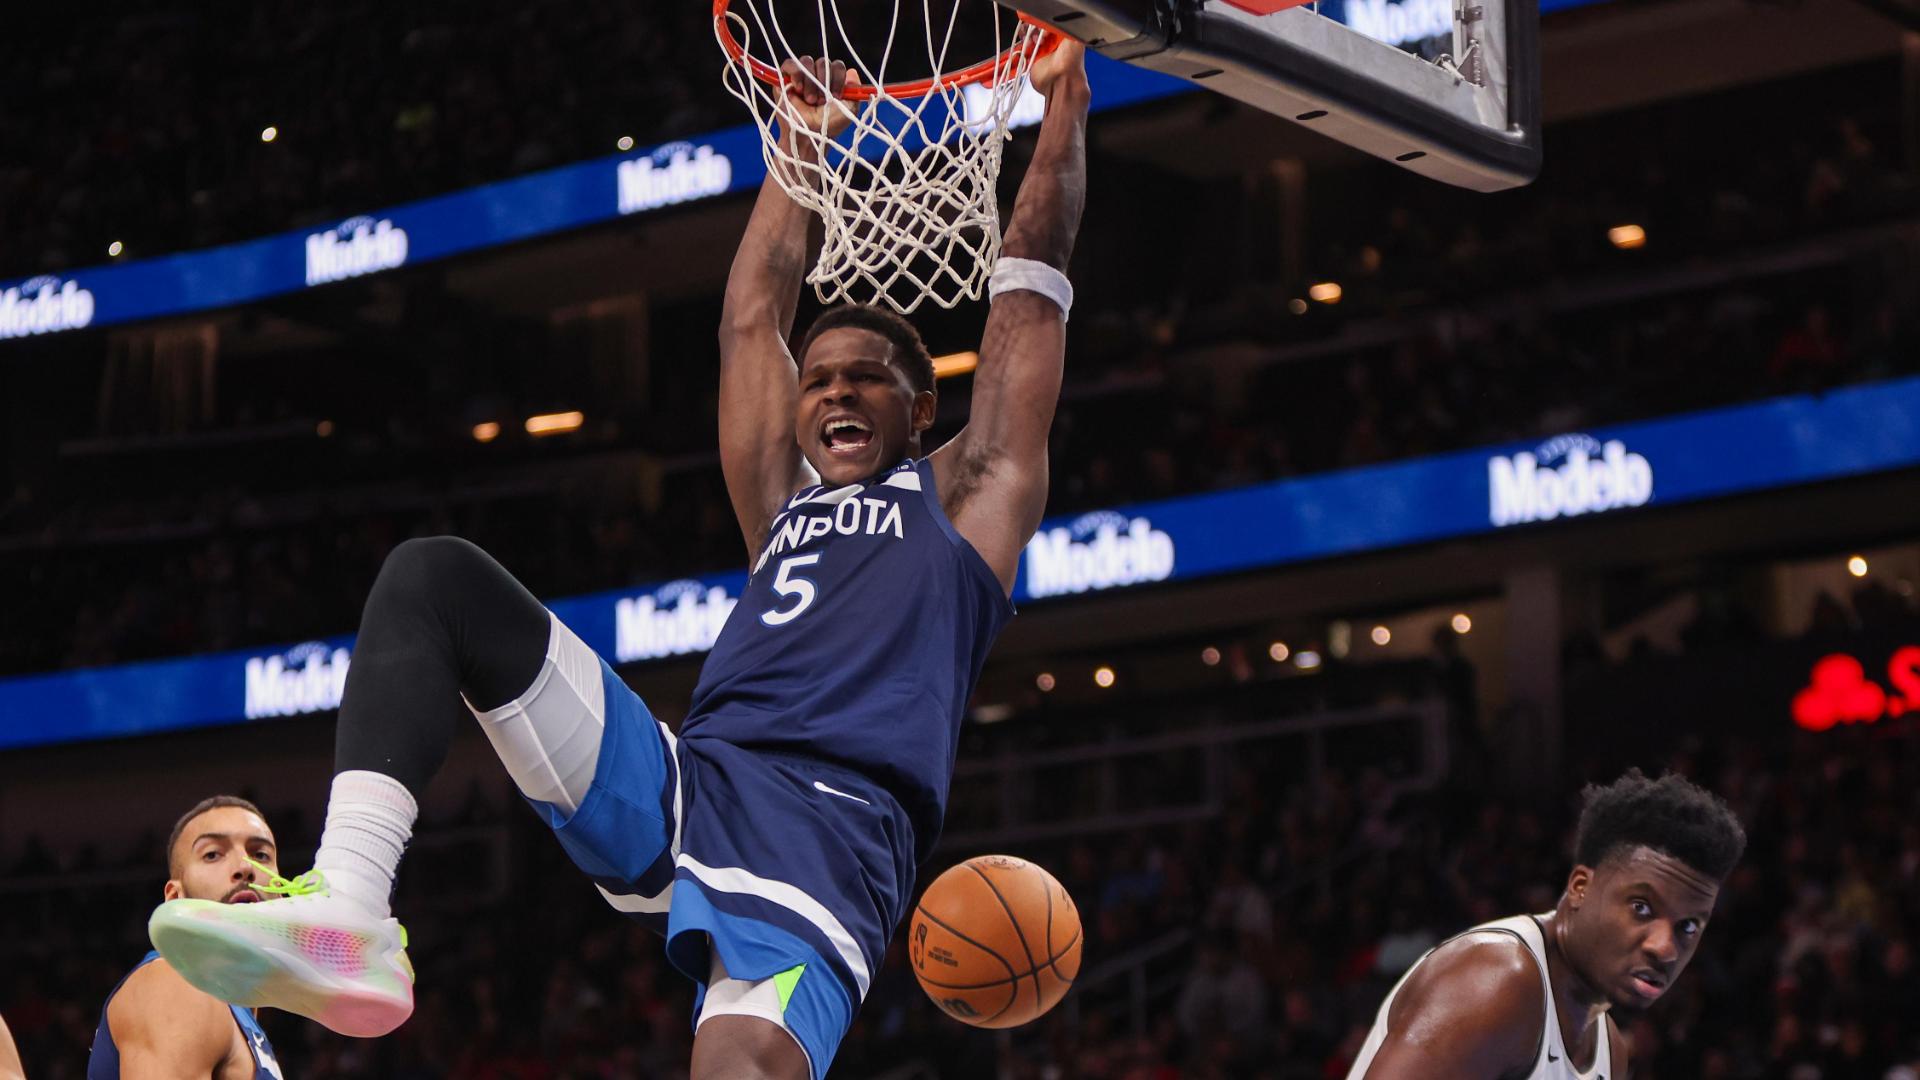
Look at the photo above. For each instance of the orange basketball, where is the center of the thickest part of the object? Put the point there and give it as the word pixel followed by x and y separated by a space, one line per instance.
pixel 995 941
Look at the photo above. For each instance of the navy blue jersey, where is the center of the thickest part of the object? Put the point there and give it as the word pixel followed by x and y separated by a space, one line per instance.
pixel 858 640
pixel 104 1062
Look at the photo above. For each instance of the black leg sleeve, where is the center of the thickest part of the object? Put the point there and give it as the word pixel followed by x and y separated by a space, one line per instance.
pixel 443 618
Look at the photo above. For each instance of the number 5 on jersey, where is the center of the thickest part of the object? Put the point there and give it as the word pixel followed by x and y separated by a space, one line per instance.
pixel 803 590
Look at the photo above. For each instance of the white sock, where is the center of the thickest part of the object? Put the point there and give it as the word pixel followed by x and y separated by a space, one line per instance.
pixel 369 821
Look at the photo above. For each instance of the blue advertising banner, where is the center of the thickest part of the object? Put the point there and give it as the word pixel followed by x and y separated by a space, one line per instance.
pixel 1777 443
pixel 539 204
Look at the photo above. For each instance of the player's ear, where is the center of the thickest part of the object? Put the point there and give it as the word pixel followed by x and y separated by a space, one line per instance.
pixel 925 407
pixel 1579 884
pixel 173 890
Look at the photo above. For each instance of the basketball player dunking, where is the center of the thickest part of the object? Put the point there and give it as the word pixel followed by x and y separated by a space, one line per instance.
pixel 774 842
pixel 156 1027
pixel 1527 998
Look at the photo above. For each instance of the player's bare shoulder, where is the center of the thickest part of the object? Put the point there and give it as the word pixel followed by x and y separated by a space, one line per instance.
pixel 1476 1003
pixel 1621 1049
pixel 157 1017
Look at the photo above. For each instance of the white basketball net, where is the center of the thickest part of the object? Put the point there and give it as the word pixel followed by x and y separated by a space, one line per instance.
pixel 907 192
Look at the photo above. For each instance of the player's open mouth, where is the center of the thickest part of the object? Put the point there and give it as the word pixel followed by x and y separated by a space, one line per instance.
pixel 243 896
pixel 1648 984
pixel 845 435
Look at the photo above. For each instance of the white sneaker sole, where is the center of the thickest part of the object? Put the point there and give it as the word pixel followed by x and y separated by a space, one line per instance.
pixel 226 961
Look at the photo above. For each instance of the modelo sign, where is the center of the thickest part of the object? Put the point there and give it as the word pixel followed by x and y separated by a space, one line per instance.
pixel 675 619
pixel 1101 550
pixel 1839 692
pixel 676 173
pixel 304 679
pixel 44 305
pixel 1567 476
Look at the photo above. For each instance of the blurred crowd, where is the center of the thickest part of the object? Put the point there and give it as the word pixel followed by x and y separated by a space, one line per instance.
pixel 1266 937
pixel 142 123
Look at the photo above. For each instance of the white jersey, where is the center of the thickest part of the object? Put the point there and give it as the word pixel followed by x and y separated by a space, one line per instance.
pixel 1550 1061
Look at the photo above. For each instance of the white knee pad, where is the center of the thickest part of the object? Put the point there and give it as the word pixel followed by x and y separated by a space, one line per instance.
pixel 728 996
pixel 549 737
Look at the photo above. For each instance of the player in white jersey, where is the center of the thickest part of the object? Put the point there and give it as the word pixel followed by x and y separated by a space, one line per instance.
pixel 1527 998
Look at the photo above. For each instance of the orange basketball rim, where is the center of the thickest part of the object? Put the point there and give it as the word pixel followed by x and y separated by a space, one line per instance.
pixel 988 71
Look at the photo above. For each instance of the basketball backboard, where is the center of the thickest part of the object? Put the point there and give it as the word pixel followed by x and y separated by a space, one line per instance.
pixel 1447 88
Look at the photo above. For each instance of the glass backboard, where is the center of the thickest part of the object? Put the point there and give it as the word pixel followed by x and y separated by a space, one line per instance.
pixel 1447 88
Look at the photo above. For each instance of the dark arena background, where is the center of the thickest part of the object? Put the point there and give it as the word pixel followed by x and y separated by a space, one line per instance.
pixel 1384 516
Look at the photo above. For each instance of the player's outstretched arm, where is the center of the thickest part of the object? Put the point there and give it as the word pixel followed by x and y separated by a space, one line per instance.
pixel 166 1029
pixel 993 475
pixel 10 1067
pixel 758 383
pixel 1471 1011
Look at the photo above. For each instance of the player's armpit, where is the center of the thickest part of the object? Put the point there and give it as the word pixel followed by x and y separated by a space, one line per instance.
pixel 166 1029
pixel 1472 1011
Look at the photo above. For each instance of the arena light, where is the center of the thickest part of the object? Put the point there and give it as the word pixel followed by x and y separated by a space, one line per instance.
pixel 555 423
pixel 1045 682
pixel 1210 656
pixel 992 714
pixel 486 432
pixel 953 364
pixel 1462 624
pixel 625 142
pixel 1103 677
pixel 324 429
pixel 269 133
pixel 1279 651
pixel 1297 306
pixel 1326 292
pixel 1382 635
pixel 1308 660
pixel 1857 566
pixel 1627 237
pixel 114 249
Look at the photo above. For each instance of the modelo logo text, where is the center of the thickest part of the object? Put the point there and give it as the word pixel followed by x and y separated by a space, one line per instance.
pixel 1593 477
pixel 306 678
pixel 1102 550
pixel 44 306
pixel 678 618
pixel 358 247
pixel 676 173
pixel 1402 23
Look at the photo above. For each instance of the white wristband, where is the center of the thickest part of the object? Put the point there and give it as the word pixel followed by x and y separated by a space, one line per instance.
pixel 1011 274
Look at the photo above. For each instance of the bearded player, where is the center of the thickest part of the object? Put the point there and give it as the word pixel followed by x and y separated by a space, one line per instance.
pixel 774 842
pixel 154 1025
pixel 1528 998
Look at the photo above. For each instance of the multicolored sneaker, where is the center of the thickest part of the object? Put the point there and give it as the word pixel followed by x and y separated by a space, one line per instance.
pixel 322 956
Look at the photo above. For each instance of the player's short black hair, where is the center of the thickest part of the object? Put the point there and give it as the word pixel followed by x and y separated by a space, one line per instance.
pixel 1669 815
pixel 908 350
pixel 211 802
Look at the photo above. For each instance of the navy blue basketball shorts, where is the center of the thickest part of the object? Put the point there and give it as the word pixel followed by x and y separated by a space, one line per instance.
pixel 777 880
